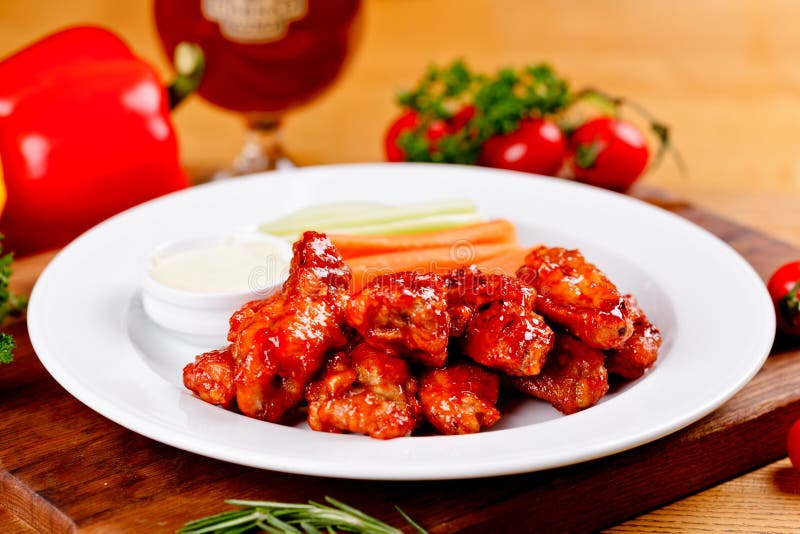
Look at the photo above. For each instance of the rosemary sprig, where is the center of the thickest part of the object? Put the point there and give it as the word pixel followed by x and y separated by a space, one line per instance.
pixel 293 518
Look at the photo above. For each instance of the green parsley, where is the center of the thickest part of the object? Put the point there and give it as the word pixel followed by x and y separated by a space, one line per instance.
pixel 7 345
pixel 10 305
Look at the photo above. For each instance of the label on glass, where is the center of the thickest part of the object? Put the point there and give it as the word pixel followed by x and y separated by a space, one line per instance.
pixel 254 21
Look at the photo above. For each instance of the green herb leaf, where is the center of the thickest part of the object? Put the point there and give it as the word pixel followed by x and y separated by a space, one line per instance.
pixel 289 518
pixel 410 521
pixel 586 155
pixel 10 304
pixel 7 346
pixel 789 305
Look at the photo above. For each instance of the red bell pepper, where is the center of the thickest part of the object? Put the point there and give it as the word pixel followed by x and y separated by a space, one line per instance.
pixel 85 133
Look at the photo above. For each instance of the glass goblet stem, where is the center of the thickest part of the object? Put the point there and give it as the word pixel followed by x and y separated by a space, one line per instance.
pixel 262 150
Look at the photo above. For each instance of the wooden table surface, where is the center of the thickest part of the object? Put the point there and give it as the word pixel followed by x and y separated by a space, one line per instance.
pixel 724 75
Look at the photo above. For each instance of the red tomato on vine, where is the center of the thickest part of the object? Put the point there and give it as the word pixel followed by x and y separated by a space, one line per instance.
pixel 608 152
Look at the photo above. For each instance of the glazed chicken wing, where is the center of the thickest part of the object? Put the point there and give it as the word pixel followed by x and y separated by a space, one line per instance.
pixel 459 398
pixel 573 379
pixel 639 353
pixel 469 289
pixel 366 391
pixel 577 295
pixel 404 312
pixel 279 343
pixel 210 377
pixel 500 328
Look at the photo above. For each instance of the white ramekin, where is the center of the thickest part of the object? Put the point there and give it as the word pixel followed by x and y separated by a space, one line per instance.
pixel 205 316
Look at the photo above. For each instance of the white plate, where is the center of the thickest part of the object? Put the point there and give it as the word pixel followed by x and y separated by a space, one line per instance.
pixel 86 323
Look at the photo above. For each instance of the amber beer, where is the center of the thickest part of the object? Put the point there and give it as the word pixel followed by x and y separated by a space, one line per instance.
pixel 262 56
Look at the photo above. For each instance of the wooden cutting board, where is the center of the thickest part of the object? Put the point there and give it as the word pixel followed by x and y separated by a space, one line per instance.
pixel 64 467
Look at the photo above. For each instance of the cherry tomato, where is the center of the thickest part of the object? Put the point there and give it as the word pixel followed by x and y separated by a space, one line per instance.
pixel 461 118
pixel 609 153
pixel 436 130
pixel 407 121
pixel 538 146
pixel 793 444
pixel 784 288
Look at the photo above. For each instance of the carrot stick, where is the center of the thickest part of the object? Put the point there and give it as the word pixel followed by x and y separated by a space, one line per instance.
pixel 355 246
pixel 505 263
pixel 434 259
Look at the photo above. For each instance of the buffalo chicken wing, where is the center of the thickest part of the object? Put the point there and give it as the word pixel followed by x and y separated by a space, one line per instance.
pixel 404 312
pixel 366 391
pixel 639 353
pixel 573 379
pixel 497 323
pixel 459 398
pixel 575 294
pixel 210 377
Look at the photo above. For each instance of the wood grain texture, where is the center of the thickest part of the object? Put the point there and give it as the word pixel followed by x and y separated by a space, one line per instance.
pixel 66 467
pixel 11 524
pixel 770 494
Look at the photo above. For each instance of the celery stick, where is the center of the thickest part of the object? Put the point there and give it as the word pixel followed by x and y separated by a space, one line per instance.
pixel 370 216
pixel 308 215
pixel 408 226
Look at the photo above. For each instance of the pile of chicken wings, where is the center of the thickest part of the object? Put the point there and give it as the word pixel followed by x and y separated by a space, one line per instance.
pixel 422 350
